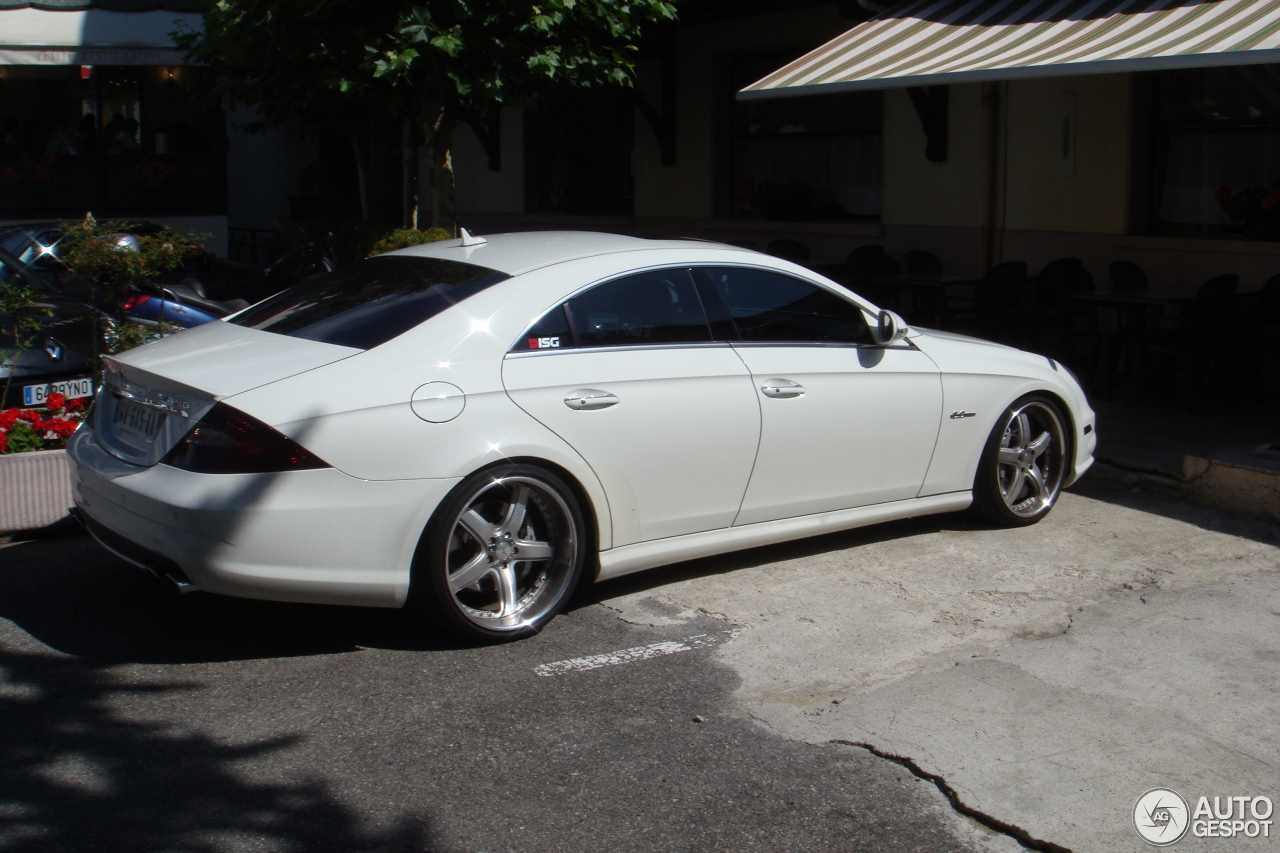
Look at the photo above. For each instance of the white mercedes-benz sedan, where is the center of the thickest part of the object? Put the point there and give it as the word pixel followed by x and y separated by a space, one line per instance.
pixel 474 428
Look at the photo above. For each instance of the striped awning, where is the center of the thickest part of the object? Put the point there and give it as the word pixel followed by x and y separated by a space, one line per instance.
pixel 928 42
pixel 85 32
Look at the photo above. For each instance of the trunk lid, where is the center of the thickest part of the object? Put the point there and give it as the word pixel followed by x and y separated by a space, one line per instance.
pixel 153 395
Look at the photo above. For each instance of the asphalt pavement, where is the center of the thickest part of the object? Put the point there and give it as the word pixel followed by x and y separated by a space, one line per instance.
pixel 931 684
pixel 133 719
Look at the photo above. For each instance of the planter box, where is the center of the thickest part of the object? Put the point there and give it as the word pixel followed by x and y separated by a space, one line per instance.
pixel 35 489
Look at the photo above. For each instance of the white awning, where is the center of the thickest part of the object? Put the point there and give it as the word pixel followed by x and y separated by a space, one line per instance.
pixel 91 37
pixel 929 42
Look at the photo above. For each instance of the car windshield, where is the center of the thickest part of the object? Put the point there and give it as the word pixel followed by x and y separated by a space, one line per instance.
pixel 15 273
pixel 371 302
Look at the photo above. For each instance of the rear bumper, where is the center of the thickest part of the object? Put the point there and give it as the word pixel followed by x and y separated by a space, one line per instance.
pixel 307 536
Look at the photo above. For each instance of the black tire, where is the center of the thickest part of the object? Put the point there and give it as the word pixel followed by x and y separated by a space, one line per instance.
pixel 501 556
pixel 1024 463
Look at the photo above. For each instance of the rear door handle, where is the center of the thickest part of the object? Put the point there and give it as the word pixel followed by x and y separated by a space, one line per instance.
pixel 586 399
pixel 782 389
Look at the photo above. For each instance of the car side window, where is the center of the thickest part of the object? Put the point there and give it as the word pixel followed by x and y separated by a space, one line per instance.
pixel 655 307
pixel 550 332
pixel 771 307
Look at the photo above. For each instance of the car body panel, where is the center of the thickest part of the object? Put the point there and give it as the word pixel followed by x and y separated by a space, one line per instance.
pixel 693 459
pixel 862 431
pixel 255 535
pixel 660 483
pixel 980 379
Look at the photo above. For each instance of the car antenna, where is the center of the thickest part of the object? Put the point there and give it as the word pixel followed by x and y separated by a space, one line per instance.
pixel 468 240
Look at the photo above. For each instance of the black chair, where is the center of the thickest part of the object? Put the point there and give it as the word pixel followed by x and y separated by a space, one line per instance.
pixel 864 263
pixel 922 262
pixel 1199 352
pixel 1262 343
pixel 789 250
pixel 995 310
pixel 862 266
pixel 1127 277
pixel 1067 328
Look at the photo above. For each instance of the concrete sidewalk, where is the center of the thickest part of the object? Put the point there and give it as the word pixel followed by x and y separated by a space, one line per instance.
pixel 1048 676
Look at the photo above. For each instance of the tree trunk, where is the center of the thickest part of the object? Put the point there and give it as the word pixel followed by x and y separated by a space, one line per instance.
pixel 362 177
pixel 439 144
pixel 408 177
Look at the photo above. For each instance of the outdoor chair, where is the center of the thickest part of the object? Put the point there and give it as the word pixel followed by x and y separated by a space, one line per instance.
pixel 1127 277
pixel 922 262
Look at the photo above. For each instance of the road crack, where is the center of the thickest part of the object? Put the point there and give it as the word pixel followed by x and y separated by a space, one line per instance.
pixel 1017 833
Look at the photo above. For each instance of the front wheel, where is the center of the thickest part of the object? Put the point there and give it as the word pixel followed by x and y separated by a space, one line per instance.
pixel 502 555
pixel 1024 464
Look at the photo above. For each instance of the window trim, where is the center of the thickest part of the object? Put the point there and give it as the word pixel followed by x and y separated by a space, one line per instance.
pixel 701 286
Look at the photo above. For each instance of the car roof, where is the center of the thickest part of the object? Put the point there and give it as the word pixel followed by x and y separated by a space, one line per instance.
pixel 522 252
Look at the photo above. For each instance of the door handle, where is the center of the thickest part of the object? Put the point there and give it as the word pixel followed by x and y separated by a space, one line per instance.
pixel 586 399
pixel 782 389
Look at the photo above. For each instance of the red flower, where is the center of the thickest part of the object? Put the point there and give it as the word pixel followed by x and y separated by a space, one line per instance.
pixel 57 428
pixel 55 402
pixel 4 441
pixel 76 405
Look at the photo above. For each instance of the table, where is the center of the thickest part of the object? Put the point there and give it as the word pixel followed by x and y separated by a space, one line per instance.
pixel 1137 323
pixel 925 297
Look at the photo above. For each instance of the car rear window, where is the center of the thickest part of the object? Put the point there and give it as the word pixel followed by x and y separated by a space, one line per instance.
pixel 370 302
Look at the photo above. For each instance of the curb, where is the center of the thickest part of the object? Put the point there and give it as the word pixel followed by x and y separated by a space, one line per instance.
pixel 1235 480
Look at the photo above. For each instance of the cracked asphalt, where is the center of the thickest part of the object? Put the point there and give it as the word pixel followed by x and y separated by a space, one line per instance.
pixel 1050 675
pixel 132 719
pixel 785 698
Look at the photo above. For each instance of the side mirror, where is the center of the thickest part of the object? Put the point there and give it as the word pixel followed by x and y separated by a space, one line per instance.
pixel 889 329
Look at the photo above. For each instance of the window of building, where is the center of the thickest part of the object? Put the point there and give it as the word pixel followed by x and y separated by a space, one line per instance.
pixel 116 140
pixel 808 157
pixel 1216 135
pixel 578 155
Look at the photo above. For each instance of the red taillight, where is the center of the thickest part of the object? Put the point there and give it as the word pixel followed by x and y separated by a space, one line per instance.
pixel 133 300
pixel 227 441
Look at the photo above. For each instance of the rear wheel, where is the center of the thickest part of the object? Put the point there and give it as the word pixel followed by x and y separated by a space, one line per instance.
pixel 502 555
pixel 1023 465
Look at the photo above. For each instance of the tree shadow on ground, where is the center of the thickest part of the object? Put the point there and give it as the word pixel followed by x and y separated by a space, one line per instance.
pixel 75 774
pixel 74 597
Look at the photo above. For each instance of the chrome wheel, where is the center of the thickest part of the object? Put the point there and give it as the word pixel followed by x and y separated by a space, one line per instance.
pixel 1025 464
pixel 509 552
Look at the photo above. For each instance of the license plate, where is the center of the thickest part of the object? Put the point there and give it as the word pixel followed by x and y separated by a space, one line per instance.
pixel 35 395
pixel 138 420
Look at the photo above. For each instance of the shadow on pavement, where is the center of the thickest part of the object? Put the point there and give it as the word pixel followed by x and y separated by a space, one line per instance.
pixel 74 597
pixel 76 775
pixel 724 564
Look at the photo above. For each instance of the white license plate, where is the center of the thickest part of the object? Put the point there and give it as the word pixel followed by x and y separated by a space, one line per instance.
pixel 138 420
pixel 35 395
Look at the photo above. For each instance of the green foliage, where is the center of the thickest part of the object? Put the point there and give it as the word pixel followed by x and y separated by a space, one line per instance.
pixel 20 320
pixel 342 65
pixel 94 250
pixel 119 337
pixel 22 438
pixel 20 312
pixel 402 238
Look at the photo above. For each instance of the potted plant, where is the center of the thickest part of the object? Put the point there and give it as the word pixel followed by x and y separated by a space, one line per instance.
pixel 34 490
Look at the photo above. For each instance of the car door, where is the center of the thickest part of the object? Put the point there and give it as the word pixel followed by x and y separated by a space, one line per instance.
pixel 627 373
pixel 844 422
